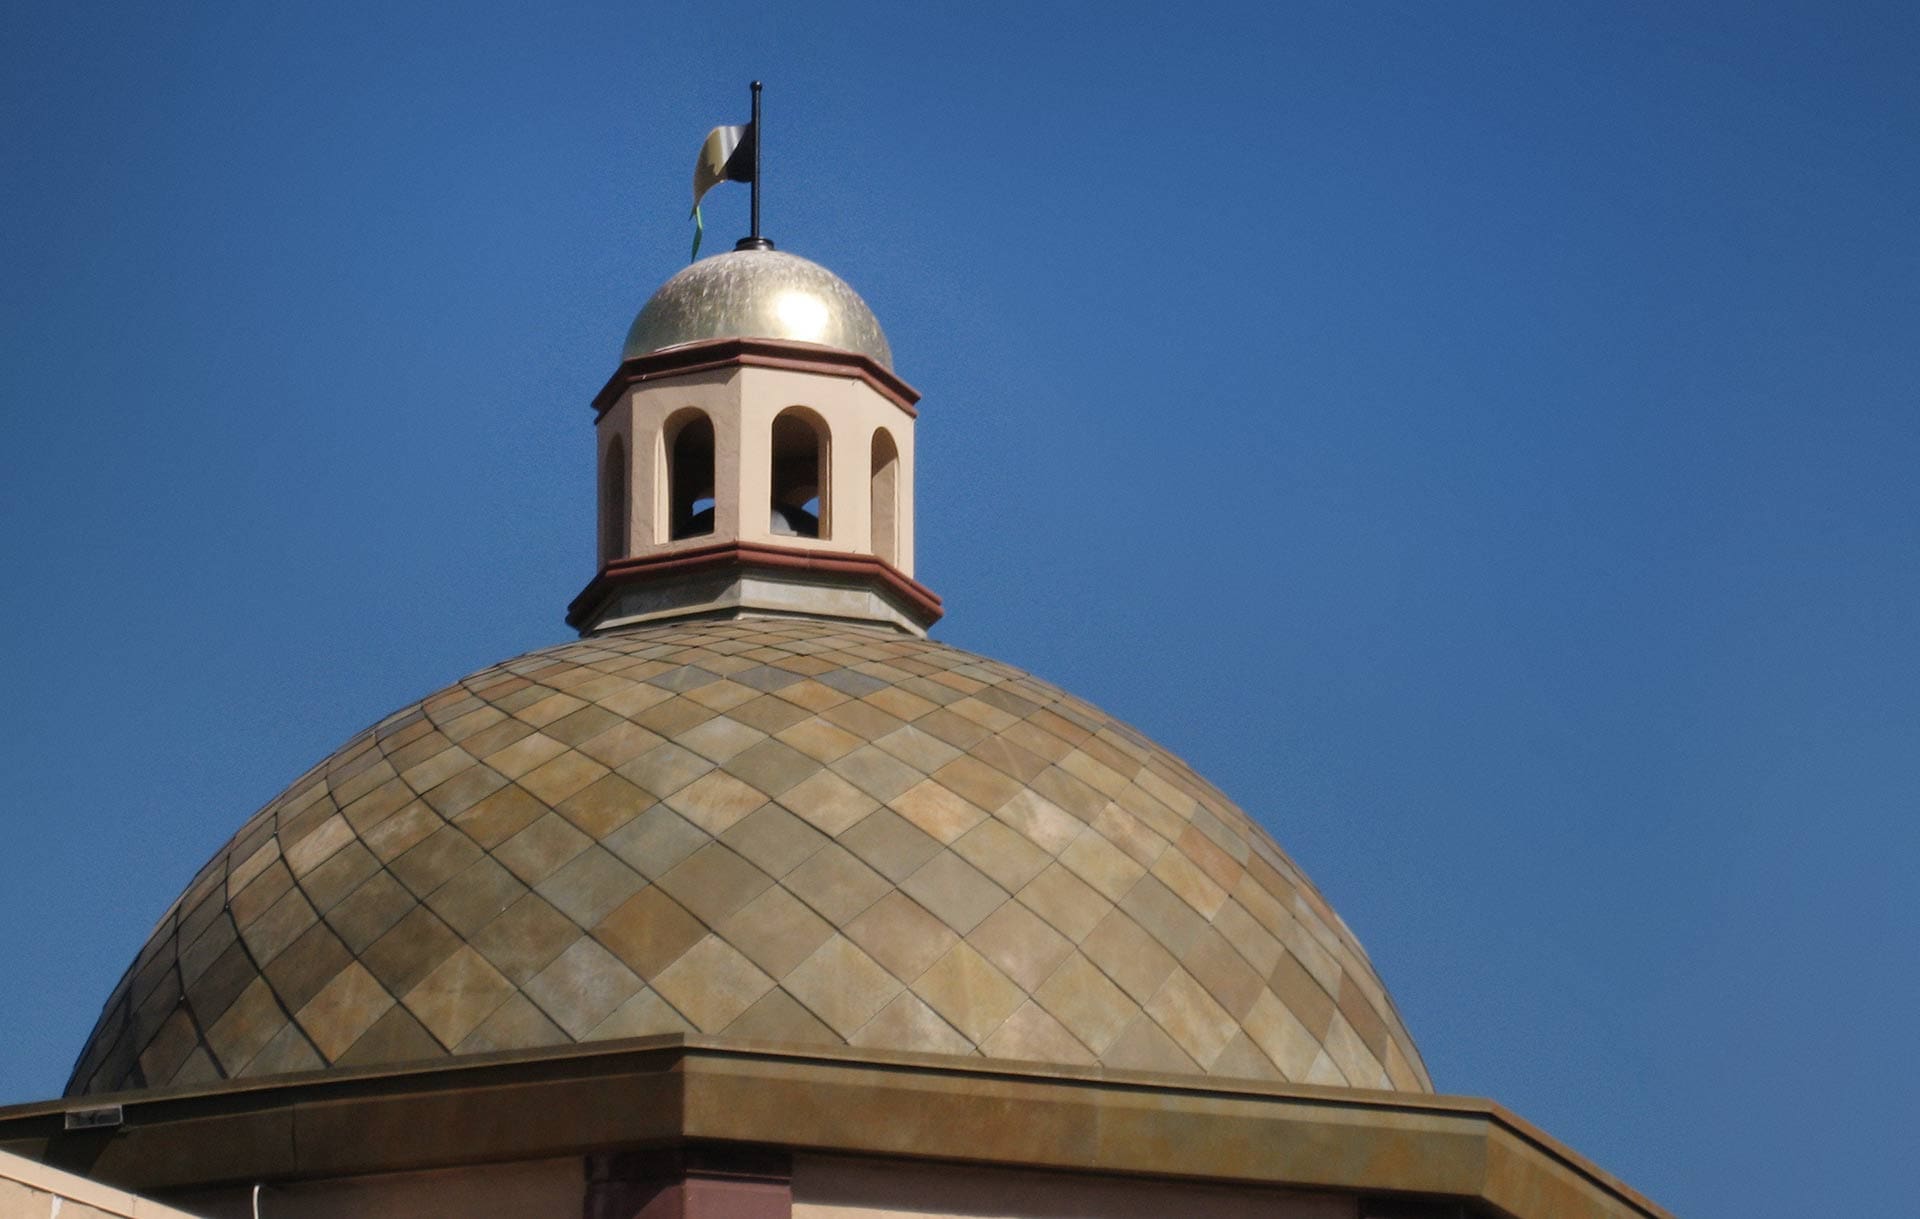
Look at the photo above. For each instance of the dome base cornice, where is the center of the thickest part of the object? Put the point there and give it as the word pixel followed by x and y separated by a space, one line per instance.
pixel 785 354
pixel 734 578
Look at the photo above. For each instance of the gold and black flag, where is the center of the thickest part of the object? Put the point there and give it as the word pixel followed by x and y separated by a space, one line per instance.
pixel 727 156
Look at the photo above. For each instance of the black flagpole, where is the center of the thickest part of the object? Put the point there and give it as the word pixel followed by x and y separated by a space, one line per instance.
pixel 755 241
pixel 756 162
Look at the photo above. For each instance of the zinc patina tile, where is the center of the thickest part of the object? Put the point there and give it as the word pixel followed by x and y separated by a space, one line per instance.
pixel 655 842
pixel 968 992
pixel 777 1017
pixel 841 985
pixel 907 1023
pixel 712 984
pixel 524 938
pixel 581 987
pixel 774 840
pixel 590 885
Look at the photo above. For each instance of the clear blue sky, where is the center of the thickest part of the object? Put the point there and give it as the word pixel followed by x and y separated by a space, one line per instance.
pixel 1482 438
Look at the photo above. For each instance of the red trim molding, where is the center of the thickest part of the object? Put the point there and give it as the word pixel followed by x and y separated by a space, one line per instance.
pixel 756 353
pixel 921 602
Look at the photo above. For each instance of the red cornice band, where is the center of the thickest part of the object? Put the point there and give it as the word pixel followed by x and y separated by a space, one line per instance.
pixel 756 353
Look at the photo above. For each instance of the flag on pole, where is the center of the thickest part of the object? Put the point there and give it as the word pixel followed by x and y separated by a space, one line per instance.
pixel 727 156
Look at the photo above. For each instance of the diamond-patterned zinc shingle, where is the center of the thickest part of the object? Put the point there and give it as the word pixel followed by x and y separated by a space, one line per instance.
pixel 777 830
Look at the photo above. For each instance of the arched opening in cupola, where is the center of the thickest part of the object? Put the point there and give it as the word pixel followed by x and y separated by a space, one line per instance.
pixel 799 504
pixel 615 510
pixel 884 490
pixel 688 438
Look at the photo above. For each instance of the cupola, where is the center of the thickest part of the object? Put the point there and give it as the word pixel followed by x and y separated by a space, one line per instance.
pixel 755 456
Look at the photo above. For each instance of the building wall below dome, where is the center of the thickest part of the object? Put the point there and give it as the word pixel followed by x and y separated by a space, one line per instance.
pixel 769 830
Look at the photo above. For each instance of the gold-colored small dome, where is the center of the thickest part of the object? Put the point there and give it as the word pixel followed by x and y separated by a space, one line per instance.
pixel 763 294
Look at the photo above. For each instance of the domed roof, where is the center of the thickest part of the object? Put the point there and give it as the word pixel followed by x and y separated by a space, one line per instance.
pixel 755 293
pixel 774 830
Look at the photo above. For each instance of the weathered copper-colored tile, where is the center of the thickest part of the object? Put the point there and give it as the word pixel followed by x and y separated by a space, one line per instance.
pixel 968 992
pixel 957 893
pixel 403 831
pixel 525 754
pixel 169 1047
pixel 516 1023
pixel 475 896
pixel 1366 1022
pixel 777 1017
pixel 901 935
pixel 1302 995
pixel 890 844
pixel 1145 1046
pixel 1194 886
pixel 841 985
pixel 220 982
pixel 1224 973
pixel 343 1010
pixel 1020 944
pixel 1281 1036
pixel 327 885
pixel 268 886
pixel 602 807
pixel 524 938
pixel 249 1023
pixel 1127 832
pixel 583 725
pixel 1004 855
pixel 978 783
pixel 283 923
pixel 1101 864
pixel 774 840
pixel 1165 916
pixel 836 884
pixel 581 987
pixel 810 694
pixel 407 953
pixel 1065 901
pixel 590 885
pixel 907 1023
pixel 1030 1035
pixel 956 730
pixel 537 852
pixel 665 770
pixel 436 860
pixel 720 738
pixel 396 1037
pixel 828 802
pixel 819 740
pixel 1191 1017
pixel 1040 821
pixel 457 995
pixel 364 915
pixel 714 882
pixel 901 704
pixel 1351 1055
pixel 936 811
pixel 1069 793
pixel 715 801
pixel 769 714
pixel 776 931
pixel 712 984
pixel 498 817
pixel 559 777
pixel 772 767
pixel 674 717
pixel 312 850
pixel 288 1052
pixel 876 772
pixel 1087 1003
pixel 464 789
pixel 655 842
pixel 495 737
pixel 307 964
pixel 644 1014
pixel 619 744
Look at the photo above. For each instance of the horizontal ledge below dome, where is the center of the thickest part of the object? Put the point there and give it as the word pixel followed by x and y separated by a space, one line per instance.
pixel 747 577
pixel 791 356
